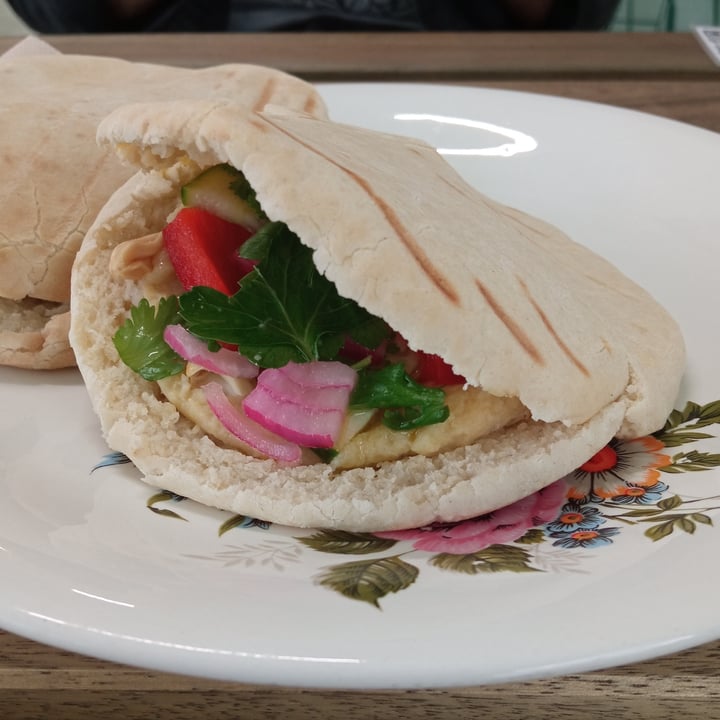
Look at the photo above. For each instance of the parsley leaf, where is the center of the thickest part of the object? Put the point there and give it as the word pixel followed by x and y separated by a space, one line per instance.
pixel 258 246
pixel 284 311
pixel 407 404
pixel 139 341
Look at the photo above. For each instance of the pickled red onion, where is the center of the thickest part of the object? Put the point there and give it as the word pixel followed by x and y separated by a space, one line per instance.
pixel 254 435
pixel 194 350
pixel 304 403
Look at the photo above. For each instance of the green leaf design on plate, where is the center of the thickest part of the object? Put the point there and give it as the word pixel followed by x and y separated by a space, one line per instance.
pixel 340 542
pixel 701 518
pixel 164 496
pixel 693 461
pixel 680 437
pixel 167 513
pixel 231 524
pixel 660 531
pixel 496 558
pixel 370 580
pixel 685 522
pixel 534 536
pixel 670 503
pixel 692 415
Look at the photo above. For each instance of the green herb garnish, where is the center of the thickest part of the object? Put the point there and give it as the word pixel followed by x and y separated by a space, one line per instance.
pixel 407 404
pixel 284 311
pixel 139 341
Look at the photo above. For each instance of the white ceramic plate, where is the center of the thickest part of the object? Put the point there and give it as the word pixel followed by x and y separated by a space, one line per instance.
pixel 99 563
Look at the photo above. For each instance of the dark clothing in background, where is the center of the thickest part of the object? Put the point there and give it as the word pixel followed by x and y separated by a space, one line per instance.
pixel 91 16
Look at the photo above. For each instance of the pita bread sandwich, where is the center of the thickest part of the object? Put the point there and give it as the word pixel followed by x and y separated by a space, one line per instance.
pixel 56 178
pixel 323 326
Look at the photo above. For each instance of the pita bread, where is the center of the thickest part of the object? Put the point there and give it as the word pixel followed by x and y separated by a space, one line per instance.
pixel 34 334
pixel 510 302
pixel 57 178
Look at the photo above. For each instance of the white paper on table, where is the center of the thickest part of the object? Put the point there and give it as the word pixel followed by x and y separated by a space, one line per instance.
pixel 29 45
pixel 709 38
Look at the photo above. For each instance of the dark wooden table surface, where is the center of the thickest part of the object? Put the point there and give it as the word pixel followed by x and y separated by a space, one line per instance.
pixel 665 74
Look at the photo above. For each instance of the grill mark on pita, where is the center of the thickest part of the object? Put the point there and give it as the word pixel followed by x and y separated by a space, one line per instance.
pixel 551 329
pixel 420 256
pixel 310 105
pixel 261 126
pixel 265 95
pixel 425 263
pixel 515 330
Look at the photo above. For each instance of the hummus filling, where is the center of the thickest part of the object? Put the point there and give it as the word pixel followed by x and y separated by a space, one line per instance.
pixel 365 441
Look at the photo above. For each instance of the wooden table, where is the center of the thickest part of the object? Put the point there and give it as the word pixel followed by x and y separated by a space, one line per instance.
pixel 665 74
pixel 668 75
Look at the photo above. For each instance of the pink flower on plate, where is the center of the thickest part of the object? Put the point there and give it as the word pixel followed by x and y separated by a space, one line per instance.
pixel 500 526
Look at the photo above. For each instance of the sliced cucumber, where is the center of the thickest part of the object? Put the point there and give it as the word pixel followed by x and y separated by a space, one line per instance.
pixel 224 191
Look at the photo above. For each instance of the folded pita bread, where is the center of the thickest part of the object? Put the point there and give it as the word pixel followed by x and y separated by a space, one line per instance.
pixel 56 178
pixel 509 301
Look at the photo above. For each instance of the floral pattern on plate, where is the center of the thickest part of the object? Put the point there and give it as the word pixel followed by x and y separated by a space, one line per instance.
pixel 624 486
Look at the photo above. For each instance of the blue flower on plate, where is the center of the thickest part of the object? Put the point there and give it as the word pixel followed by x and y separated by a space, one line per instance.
pixel 575 516
pixel 593 537
pixel 639 495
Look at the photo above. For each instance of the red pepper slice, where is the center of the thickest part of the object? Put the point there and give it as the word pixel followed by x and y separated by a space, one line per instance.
pixel 203 250
pixel 433 371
